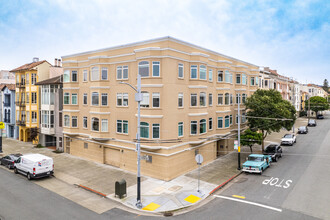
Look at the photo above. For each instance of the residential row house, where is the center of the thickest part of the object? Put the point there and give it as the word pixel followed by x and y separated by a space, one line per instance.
pixel 27 96
pixel 189 105
pixel 7 93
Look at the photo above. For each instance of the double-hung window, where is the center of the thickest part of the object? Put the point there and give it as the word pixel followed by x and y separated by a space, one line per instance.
pixel 74 76
pixel 220 99
pixel 202 99
pixel 85 99
pixel 243 79
pixel 104 73
pixel 244 96
pixel 122 99
pixel 227 99
pixel 85 122
pixel 202 126
pixel 66 76
pixel 95 74
pixel 227 121
pixel 210 99
pixel 180 100
pixel 193 72
pixel 66 121
pixel 180 129
pixel 155 100
pixel 155 131
pixel 220 76
pixel 252 81
pixel 85 76
pixel 104 125
pixel 122 126
pixel 144 130
pixel 193 99
pixel 122 72
pixel 95 98
pixel 220 122
pixel 202 72
pixel 193 127
pixel 74 99
pixel 74 120
pixel 238 98
pixel 180 70
pixel 145 100
pixel 210 75
pixel 210 123
pixel 66 99
pixel 104 99
pixel 33 78
pixel 144 68
pixel 155 68
pixel 238 78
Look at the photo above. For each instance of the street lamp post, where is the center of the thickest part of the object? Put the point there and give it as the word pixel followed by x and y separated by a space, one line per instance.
pixel 138 99
pixel 239 133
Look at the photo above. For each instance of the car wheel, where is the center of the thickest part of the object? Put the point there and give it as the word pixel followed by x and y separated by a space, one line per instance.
pixel 262 169
pixel 275 159
pixel 15 170
pixel 28 176
pixel 280 155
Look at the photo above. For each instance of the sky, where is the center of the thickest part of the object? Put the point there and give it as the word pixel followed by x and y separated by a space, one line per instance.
pixel 292 37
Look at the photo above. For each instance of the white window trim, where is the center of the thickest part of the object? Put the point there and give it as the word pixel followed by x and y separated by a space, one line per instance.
pixel 152 98
pixel 152 131
pixel 107 99
pixel 182 129
pixel 98 94
pixel 152 65
pixel 195 94
pixel 76 98
pixel 72 121
pixel 86 121
pixel 85 71
pixel 182 70
pixel 196 71
pixel 182 100
pixel 104 68
pixel 107 130
pixel 196 128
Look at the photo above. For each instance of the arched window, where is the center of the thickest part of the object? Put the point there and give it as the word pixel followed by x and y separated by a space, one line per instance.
pixel 227 122
pixel 144 130
pixel 202 126
pixel 95 124
pixel 144 68
pixel 227 97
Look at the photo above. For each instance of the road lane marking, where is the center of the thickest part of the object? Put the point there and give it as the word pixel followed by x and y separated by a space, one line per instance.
pixel 241 197
pixel 251 203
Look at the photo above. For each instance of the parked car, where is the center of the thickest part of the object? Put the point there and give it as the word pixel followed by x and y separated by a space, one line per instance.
pixel 9 160
pixel 311 123
pixel 289 139
pixel 320 116
pixel 303 130
pixel 34 166
pixel 256 163
pixel 274 150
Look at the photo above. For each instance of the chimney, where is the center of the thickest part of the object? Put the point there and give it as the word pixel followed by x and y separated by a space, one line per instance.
pixel 35 59
pixel 59 62
pixel 55 62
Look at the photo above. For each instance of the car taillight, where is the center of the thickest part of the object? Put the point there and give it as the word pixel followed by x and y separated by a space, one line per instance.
pixel 13 162
pixel 53 166
pixel 34 170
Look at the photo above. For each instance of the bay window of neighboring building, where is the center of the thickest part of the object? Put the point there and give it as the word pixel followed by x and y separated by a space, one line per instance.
pixel 104 125
pixel 238 78
pixel 155 68
pixel 220 99
pixel 193 72
pixel 74 76
pixel 66 76
pixel 122 72
pixel 193 127
pixel 74 121
pixel 66 121
pixel 180 70
pixel 155 131
pixel 202 126
pixel 74 99
pixel 95 98
pixel 220 122
pixel 47 119
pixel 95 124
pixel 122 126
pixel 85 122
pixel 202 72
pixel 193 99
pixel 210 75
pixel 144 68
pixel 104 73
pixel 155 100
pixel 104 99
pixel 220 76
pixel 95 73
pixel 144 130
pixel 180 129
pixel 202 99
pixel 180 100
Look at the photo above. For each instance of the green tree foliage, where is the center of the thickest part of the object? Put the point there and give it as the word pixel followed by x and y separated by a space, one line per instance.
pixel 249 138
pixel 266 110
pixel 318 103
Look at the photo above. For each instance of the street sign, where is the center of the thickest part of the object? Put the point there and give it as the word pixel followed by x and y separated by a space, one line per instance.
pixel 199 159
pixel 236 144
pixel 2 125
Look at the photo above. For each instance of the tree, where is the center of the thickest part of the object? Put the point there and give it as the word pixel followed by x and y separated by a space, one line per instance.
pixel 268 112
pixel 318 103
pixel 249 138
pixel 326 85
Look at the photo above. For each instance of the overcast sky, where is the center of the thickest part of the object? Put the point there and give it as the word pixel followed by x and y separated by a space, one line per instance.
pixel 290 36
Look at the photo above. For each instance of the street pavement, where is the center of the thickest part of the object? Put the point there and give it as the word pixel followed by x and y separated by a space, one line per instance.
pixel 178 193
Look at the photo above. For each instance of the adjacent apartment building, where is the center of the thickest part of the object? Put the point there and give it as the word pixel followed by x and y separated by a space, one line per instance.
pixel 189 105
pixel 8 111
pixel 27 95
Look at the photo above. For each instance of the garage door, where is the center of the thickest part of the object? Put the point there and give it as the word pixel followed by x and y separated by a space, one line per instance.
pixel 112 157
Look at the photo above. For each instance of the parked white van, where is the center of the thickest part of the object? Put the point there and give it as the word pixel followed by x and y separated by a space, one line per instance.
pixel 34 166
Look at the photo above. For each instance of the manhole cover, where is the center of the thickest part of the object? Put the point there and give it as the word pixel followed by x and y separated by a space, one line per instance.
pixel 241 180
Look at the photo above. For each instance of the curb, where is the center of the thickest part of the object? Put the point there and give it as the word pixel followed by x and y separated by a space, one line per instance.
pixel 224 183
pixel 91 190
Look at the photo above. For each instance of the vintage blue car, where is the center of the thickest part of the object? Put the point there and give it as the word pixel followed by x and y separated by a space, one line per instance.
pixel 257 163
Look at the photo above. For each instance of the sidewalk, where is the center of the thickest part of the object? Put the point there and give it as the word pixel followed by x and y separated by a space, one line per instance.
pixel 157 196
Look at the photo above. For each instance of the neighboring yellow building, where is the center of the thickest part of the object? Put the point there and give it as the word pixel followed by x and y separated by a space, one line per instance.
pixel 189 104
pixel 27 96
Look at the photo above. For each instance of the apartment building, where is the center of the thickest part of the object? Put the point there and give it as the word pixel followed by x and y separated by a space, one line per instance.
pixel 27 95
pixel 189 104
pixel 8 111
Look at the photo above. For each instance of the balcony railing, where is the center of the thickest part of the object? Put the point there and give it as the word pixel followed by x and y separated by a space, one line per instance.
pixel 20 85
pixel 21 122
pixel 6 120
pixel 20 104
pixel 6 104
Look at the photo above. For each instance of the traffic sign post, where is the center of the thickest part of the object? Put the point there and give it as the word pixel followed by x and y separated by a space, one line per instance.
pixel 199 159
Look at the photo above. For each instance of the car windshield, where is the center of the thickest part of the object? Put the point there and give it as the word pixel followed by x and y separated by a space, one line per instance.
pixel 270 149
pixel 257 159
pixel 302 128
pixel 311 121
pixel 288 136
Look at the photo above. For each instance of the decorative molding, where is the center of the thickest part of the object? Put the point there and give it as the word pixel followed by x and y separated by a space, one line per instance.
pixel 223 88
pixel 72 88
pixel 150 116
pixel 99 87
pixel 197 87
pixel 152 85
pixel 223 111
pixel 70 110
pixel 198 114
pixel 100 113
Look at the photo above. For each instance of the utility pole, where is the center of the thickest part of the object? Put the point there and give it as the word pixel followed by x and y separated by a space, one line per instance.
pixel 239 133
pixel 309 108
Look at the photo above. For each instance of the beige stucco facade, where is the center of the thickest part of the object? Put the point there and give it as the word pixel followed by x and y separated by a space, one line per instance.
pixel 171 134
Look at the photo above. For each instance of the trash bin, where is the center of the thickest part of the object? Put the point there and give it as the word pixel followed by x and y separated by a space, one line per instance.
pixel 120 188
